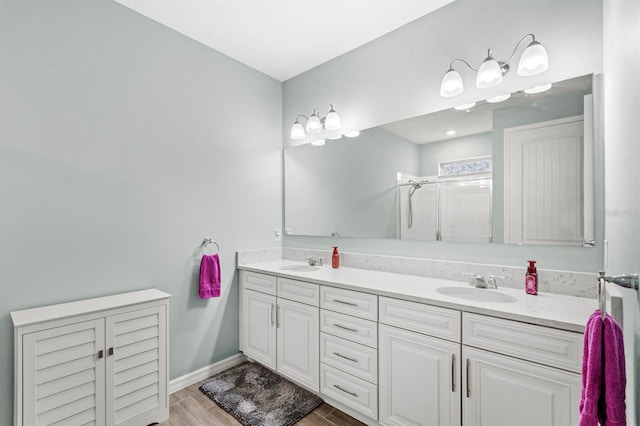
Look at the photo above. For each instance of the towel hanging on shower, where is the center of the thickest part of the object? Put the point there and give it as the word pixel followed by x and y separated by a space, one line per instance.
pixel 209 282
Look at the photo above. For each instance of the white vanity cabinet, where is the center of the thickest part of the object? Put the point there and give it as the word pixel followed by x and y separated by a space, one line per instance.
pixel 419 373
pixel 101 361
pixel 392 361
pixel 348 348
pixel 533 378
pixel 279 325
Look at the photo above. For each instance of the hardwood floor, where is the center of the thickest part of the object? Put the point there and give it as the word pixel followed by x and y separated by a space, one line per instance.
pixel 190 407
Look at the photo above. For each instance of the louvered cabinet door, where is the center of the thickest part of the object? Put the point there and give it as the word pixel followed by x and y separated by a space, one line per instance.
pixel 63 375
pixel 136 367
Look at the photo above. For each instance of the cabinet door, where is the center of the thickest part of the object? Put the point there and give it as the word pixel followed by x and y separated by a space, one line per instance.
pixel 503 391
pixel 298 342
pixel 136 366
pixel 258 327
pixel 63 375
pixel 419 379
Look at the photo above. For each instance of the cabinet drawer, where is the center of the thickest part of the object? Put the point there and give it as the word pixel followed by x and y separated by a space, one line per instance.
pixel 349 302
pixel 351 328
pixel 426 319
pixel 353 358
pixel 258 282
pixel 299 291
pixel 351 391
pixel 557 348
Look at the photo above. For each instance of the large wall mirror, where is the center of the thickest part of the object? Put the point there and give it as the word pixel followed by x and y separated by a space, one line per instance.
pixel 518 171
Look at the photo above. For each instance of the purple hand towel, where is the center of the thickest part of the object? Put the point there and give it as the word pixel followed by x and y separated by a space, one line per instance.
pixel 603 374
pixel 209 276
pixel 615 378
pixel 591 371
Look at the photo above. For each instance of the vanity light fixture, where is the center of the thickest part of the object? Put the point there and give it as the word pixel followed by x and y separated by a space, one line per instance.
pixel 353 134
pixel 499 98
pixel 318 142
pixel 538 89
pixel 315 123
pixel 465 107
pixel 534 60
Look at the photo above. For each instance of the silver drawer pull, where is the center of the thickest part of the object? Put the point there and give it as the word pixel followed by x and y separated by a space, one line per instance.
pixel 345 303
pixel 345 391
pixel 345 328
pixel 345 357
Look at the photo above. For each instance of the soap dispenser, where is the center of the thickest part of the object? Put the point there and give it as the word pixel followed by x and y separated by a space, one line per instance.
pixel 531 278
pixel 335 258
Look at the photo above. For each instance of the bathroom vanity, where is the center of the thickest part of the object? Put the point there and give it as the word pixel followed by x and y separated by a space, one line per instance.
pixel 397 349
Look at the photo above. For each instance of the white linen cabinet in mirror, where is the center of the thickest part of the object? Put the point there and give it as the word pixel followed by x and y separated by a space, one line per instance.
pixel 99 361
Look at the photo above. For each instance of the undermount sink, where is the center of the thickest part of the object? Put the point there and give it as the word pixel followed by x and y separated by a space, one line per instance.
pixel 299 268
pixel 477 294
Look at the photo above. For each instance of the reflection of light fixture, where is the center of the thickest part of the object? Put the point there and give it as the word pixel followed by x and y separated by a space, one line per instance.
pixel 451 132
pixel 464 107
pixel 538 89
pixel 353 134
pixel 319 142
pixel 499 98
pixel 534 60
pixel 333 138
pixel 315 124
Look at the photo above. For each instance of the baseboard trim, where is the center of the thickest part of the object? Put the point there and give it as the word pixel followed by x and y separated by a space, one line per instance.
pixel 204 372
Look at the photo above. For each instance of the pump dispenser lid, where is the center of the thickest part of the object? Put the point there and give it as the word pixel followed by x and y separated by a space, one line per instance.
pixel 532 263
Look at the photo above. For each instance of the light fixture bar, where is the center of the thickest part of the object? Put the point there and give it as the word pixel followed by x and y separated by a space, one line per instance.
pixel 533 61
pixel 315 124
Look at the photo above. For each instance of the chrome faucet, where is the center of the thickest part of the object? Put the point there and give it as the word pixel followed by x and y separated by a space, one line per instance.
pixel 313 262
pixel 492 280
pixel 477 280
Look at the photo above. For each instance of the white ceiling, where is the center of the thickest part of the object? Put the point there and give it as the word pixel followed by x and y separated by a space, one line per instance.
pixel 283 38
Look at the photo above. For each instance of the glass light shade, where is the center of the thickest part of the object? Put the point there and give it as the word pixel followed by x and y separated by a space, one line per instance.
pixel 534 60
pixel 313 124
pixel 465 106
pixel 297 131
pixel 499 98
pixel 451 84
pixel 353 134
pixel 319 142
pixel 538 89
pixel 332 122
pixel 489 74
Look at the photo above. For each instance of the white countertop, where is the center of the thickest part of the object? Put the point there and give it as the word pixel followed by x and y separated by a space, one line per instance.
pixel 80 307
pixel 547 309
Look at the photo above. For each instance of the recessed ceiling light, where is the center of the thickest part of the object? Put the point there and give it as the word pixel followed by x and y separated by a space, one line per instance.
pixel 353 134
pixel 499 98
pixel 538 89
pixel 319 142
pixel 465 106
pixel 451 132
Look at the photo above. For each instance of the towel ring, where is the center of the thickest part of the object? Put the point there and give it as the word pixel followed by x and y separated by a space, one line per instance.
pixel 602 295
pixel 208 241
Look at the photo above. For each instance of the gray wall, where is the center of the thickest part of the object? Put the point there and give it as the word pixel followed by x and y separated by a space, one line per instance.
pixel 432 154
pixel 398 76
pixel 123 144
pixel 622 183
pixel 354 178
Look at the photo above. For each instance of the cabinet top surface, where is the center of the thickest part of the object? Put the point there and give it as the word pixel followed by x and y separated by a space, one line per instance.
pixel 552 310
pixel 65 310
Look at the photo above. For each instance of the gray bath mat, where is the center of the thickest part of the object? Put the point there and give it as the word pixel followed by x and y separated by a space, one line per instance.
pixel 256 396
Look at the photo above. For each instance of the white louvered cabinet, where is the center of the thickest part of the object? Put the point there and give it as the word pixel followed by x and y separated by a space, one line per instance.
pixel 100 361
